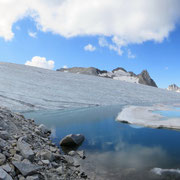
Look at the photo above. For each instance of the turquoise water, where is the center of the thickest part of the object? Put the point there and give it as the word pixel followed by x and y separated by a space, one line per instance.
pixel 115 150
pixel 170 113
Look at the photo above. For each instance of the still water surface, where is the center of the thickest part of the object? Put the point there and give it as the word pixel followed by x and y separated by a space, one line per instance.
pixel 115 150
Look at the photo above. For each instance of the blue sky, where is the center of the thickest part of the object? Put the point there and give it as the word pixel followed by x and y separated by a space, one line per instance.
pixel 160 57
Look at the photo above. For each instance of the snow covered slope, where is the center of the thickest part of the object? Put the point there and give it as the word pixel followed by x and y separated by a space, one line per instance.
pixel 28 88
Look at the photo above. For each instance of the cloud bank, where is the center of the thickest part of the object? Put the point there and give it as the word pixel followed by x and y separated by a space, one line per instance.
pixel 125 21
pixel 40 62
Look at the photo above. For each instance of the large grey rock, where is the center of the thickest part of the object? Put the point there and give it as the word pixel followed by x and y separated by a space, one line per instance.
pixel 25 149
pixel 72 140
pixel 26 168
pixel 4 175
pixel 43 129
pixel 2 159
pixel 7 168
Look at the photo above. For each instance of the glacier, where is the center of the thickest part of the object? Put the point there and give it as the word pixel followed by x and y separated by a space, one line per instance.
pixel 29 88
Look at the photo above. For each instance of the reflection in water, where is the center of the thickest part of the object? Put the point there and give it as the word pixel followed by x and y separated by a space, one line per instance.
pixel 115 150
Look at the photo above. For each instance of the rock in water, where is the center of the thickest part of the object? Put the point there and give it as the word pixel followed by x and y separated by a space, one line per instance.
pixel 72 140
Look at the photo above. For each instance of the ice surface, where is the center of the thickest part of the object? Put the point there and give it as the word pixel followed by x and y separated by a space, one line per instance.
pixel 160 171
pixel 147 116
pixel 29 88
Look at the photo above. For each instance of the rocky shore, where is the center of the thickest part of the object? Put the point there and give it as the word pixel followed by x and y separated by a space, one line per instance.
pixel 27 153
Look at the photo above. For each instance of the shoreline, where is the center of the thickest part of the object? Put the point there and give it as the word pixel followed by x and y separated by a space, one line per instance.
pixel 28 153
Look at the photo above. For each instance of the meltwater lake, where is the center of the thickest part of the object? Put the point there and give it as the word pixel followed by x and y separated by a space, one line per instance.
pixel 115 150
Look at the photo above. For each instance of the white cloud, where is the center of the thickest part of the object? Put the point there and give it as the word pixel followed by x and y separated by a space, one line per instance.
pixel 32 34
pixel 166 68
pixel 112 46
pixel 41 62
pixel 130 55
pixel 90 48
pixel 126 21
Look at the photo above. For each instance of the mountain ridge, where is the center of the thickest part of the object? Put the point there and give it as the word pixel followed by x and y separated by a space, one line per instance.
pixel 117 74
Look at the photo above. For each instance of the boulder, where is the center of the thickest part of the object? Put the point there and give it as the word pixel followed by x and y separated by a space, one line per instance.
pixel 72 140
pixel 44 129
pixel 25 150
pixel 26 168
pixel 4 175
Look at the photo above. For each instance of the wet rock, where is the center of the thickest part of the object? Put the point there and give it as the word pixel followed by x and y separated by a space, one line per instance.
pixel 26 168
pixel 4 175
pixel 2 159
pixel 25 150
pixel 72 140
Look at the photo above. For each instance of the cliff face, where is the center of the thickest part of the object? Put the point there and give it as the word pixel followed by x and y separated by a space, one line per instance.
pixel 117 74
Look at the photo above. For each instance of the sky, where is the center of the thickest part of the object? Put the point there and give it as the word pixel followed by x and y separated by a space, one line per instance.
pixel 106 34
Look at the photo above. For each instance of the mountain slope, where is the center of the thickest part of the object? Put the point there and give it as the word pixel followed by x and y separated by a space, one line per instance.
pixel 28 88
pixel 117 74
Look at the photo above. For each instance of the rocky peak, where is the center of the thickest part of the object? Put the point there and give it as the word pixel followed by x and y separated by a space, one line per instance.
pixel 144 78
pixel 173 87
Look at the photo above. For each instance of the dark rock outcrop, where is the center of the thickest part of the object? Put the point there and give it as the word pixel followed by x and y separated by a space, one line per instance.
pixel 72 140
pixel 144 78
pixel 82 70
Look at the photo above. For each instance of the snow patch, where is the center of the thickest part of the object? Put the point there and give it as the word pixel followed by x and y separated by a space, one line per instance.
pixel 160 171
pixel 145 116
